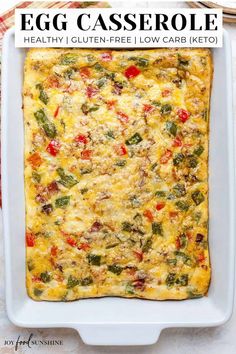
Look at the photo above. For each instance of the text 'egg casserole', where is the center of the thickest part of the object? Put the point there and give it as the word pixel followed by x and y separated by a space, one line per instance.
pixel 116 173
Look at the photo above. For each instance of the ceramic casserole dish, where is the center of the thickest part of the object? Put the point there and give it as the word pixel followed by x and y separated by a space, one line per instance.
pixel 120 321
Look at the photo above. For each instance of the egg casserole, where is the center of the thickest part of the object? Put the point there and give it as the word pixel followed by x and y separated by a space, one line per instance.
pixel 116 173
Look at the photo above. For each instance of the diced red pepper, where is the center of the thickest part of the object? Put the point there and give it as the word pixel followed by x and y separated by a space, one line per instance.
pixel 148 214
pixel 111 104
pixel 52 188
pixel 96 226
pixel 36 279
pixel 81 139
pixel 35 160
pixel 54 250
pixel 160 206
pixel 53 147
pixel 177 142
pixel 148 108
pixel 201 257
pixel 183 115
pixel 139 255
pixel 71 241
pixel 166 157
pixel 30 239
pixel 132 71
pixel 85 72
pixel 53 81
pixel 177 243
pixel 91 91
pixel 166 93
pixel 107 56
pixel 173 214
pixel 84 246
pixel 86 154
pixel 139 284
pixel 56 112
pixel 120 149
pixel 124 118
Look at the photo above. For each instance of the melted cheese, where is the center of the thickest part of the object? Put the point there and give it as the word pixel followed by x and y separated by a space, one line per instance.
pixel 116 175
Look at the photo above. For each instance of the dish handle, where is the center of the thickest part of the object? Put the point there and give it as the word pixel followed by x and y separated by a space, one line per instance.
pixel 119 334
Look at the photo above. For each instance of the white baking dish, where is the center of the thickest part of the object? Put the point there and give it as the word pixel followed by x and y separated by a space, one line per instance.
pixel 117 321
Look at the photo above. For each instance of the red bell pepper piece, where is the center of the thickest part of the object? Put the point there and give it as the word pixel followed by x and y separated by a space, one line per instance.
pixel 120 150
pixel 85 72
pixel 160 206
pixel 148 108
pixel 81 139
pixel 124 118
pixel 139 255
pixel 86 154
pixel 53 147
pixel 148 214
pixel 132 71
pixel 71 241
pixel 54 250
pixel 166 157
pixel 177 142
pixel 30 239
pixel 183 115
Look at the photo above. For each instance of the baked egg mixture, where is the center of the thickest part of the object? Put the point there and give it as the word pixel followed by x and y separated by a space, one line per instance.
pixel 116 173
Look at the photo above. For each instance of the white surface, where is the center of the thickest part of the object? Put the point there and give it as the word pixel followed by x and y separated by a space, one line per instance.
pixel 175 341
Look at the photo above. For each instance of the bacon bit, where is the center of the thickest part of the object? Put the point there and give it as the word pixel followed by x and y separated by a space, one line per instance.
pixel 81 139
pixel 111 104
pixel 53 81
pixel 177 142
pixel 56 111
pixel 41 197
pixel 124 118
pixel 71 241
pixel 148 108
pixel 139 284
pixel 132 71
pixel 52 188
pixel 177 243
pixel 173 214
pixel 148 214
pixel 84 246
pixel 35 160
pixel 30 239
pixel 36 279
pixel 183 115
pixel 54 250
pixel 120 149
pixel 96 226
pixel 107 56
pixel 160 206
pixel 166 93
pixel 131 270
pixel 85 73
pixel 91 91
pixel 117 88
pixel 166 157
pixel 139 255
pixel 53 147
pixel 201 257
pixel 86 154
